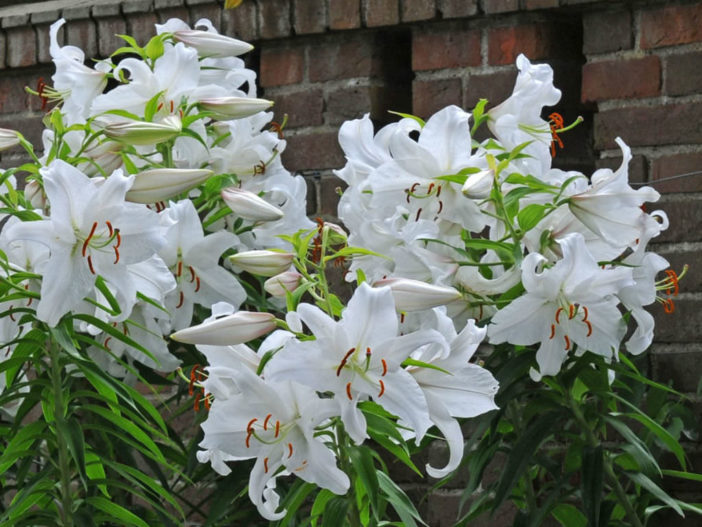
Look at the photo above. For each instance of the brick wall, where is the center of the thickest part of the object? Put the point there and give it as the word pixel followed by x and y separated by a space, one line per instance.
pixel 631 68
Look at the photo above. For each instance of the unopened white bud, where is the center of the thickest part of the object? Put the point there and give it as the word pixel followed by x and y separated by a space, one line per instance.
pixel 478 186
pixel 225 108
pixel 159 184
pixel 414 295
pixel 282 283
pixel 8 139
pixel 264 263
pixel 144 133
pixel 250 206
pixel 237 328
pixel 209 44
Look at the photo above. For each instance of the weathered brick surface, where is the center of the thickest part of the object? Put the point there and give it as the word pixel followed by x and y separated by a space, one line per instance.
pixel 431 95
pixel 141 26
pixel 82 33
pixel 30 125
pixel 676 165
pixel 241 22
pixel 381 12
pixel 309 16
pixel 445 47
pixel 274 18
pixel 344 14
pixel 3 48
pixel 13 97
pixel 495 87
pixel 457 8
pixel 536 41
pixel 358 56
pixel 622 79
pixel 21 47
pixel 413 10
pixel 686 220
pixel 107 31
pixel 671 25
pixel 304 107
pixel 282 65
pixel 606 31
pixel 654 125
pixel 329 194
pixel 540 4
pixel 680 363
pixel 353 102
pixel 313 151
pixel 167 13
pixel 210 11
pixel 683 73
pixel 43 42
pixel 499 6
pixel 692 281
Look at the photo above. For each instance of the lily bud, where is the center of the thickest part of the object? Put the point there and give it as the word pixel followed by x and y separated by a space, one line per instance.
pixel 159 184
pixel 237 328
pixel 264 263
pixel 250 206
pixel 105 155
pixel 478 186
pixel 282 283
pixel 414 295
pixel 210 44
pixel 35 194
pixel 8 139
pixel 225 108
pixel 144 133
pixel 337 235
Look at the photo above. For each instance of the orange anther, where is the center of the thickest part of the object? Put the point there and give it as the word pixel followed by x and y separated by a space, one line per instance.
pixel 179 271
pixel 290 450
pixel 585 313
pixel 589 327
pixel 441 207
pixel 438 191
pixel 109 226
pixel 106 341
pixel 87 240
pixel 343 361
pixel 571 311
pixel 265 422
pixel 249 427
pixel 402 318
pixel 192 273
pixel 90 265
pixel 382 388
pixel 197 284
pixel 418 214
pixel 553 331
pixel 116 254
pixel 674 279
pixel 198 396
pixel 668 305
pixel 119 238
pixel 277 428
pixel 348 392
pixel 265 465
pixel 385 367
pixel 558 312
pixel 181 300
pixel 248 438
pixel 567 342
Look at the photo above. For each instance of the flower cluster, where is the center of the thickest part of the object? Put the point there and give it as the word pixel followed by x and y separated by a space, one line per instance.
pixel 548 256
pixel 154 167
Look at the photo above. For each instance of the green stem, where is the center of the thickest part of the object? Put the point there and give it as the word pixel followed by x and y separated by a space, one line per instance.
pixel 354 515
pixel 621 495
pixel 59 426
pixel 514 413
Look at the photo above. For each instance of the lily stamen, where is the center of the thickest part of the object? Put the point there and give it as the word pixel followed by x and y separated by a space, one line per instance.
pixel 265 465
pixel 385 367
pixel 348 392
pixel 87 240
pixel 265 422
pixel 343 361
pixel 181 300
pixel 382 388
pixel 290 450
pixel 567 342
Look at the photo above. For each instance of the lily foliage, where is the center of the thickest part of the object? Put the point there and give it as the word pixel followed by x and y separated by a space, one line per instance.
pixel 158 258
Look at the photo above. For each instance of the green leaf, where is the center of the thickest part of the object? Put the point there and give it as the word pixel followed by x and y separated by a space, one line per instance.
pixel 692 476
pixel 569 516
pixel 95 470
pixel 591 484
pixel 362 462
pixel 409 361
pixel 409 116
pixel 530 216
pixel 20 443
pixel 154 49
pixel 461 176
pixel 335 512
pixel 522 451
pixel 73 433
pixel 399 501
pixel 648 484
pixel 320 502
pixel 116 512
pixel 637 448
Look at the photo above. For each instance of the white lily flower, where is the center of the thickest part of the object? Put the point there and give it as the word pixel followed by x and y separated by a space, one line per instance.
pixel 414 295
pixel 160 184
pixel 262 262
pixel 226 108
pixel 212 44
pixel 143 132
pixel 237 328
pixel 571 303
pixel 250 206
pixel 359 357
pixel 275 423
pixel 478 186
pixel 91 231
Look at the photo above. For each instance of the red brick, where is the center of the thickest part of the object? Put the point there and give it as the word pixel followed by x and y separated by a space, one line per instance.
pixel 311 202
pixel 141 26
pixel 676 165
pixel 43 43
pixel 381 13
pixel 678 363
pixel 540 4
pixel 683 73
pixel 536 41
pixel 241 22
pixel 210 11
pixel 107 31
pixel 21 47
pixel 304 108
pixel 281 66
pixel 605 31
pixel 274 18
pixel 499 6
pixel 343 104
pixel 445 49
pixel 638 167
pixel 495 87
pixel 621 79
pixel 430 96
pixel 166 13
pixel 329 187
pixel 654 125
pixel 30 126
pixel 310 16
pixel 3 44
pixel 344 14
pixel 82 33
pixel 692 281
pixel 672 25
pixel 358 56
pixel 457 8
pixel 413 10
pixel 313 151
pixel 685 219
